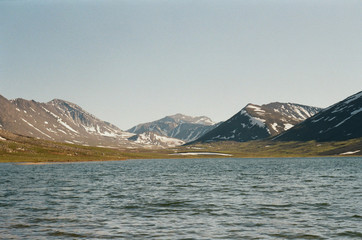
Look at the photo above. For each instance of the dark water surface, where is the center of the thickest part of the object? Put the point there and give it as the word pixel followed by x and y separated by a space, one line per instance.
pixel 295 198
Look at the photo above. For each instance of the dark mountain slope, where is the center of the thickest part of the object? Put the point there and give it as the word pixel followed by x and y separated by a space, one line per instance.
pixel 259 122
pixel 341 121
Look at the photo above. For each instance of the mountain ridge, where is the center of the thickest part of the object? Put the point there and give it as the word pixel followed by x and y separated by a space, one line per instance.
pixel 183 127
pixel 254 122
pixel 59 120
pixel 64 121
pixel 338 122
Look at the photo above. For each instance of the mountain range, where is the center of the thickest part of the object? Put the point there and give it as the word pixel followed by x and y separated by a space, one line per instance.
pixel 59 120
pixel 185 128
pixel 63 121
pixel 256 122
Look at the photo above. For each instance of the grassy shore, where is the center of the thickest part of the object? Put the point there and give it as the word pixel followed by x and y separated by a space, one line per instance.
pixel 25 149
pixel 280 149
pixel 15 148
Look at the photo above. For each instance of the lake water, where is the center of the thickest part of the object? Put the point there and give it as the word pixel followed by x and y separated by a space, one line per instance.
pixel 293 198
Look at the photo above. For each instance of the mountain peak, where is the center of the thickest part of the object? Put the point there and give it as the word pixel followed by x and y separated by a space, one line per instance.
pixel 259 122
pixel 178 115
pixel 59 102
pixel 179 126
pixel 203 120
pixel 59 120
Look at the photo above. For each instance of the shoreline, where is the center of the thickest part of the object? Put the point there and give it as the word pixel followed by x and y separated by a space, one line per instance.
pixel 64 162
pixel 183 157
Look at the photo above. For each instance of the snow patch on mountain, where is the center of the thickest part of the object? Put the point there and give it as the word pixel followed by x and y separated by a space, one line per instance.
pixel 255 107
pixel 356 111
pixel 274 126
pixel 185 128
pixel 350 152
pixel 288 126
pixel 252 120
pixel 150 138
pixel 31 125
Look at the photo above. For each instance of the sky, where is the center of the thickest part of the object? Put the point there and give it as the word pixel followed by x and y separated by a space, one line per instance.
pixel 134 61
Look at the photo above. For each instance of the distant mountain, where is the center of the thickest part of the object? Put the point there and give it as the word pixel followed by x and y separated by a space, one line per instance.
pixel 152 139
pixel 258 122
pixel 178 126
pixel 59 120
pixel 341 121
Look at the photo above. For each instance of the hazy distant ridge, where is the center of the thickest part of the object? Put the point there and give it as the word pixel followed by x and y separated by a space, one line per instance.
pixel 185 128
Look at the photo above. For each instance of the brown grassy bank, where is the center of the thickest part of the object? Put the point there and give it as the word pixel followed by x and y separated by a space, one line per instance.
pixel 15 148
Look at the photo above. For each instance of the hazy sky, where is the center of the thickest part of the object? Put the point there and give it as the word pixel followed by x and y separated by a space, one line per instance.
pixel 129 62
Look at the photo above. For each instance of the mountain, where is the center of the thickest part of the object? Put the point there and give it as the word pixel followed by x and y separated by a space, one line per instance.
pixel 59 120
pixel 152 139
pixel 341 121
pixel 258 122
pixel 178 126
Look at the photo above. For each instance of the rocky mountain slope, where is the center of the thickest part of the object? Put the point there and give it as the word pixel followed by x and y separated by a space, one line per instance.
pixel 59 120
pixel 341 121
pixel 151 139
pixel 178 126
pixel 258 122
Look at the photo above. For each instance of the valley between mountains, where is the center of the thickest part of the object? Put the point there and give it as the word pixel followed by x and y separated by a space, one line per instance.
pixel 60 130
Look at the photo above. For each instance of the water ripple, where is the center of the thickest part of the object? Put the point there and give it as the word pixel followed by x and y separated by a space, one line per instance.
pixel 183 199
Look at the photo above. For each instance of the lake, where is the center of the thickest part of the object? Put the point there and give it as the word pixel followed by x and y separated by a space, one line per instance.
pixel 291 198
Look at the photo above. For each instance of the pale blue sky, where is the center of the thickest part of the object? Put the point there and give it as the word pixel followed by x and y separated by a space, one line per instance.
pixel 129 62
